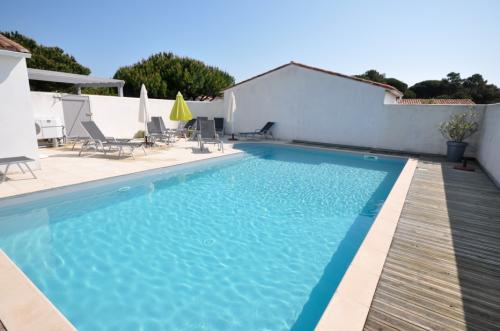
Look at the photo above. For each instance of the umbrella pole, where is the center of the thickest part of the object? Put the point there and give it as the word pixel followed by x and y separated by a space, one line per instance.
pixel 232 133
pixel 146 140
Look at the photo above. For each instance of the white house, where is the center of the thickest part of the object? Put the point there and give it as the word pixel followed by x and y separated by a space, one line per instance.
pixel 317 105
pixel 17 124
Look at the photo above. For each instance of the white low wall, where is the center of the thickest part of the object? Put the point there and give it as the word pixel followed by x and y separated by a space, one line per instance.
pixel 313 114
pixel 119 117
pixel 47 105
pixel 415 128
pixel 489 148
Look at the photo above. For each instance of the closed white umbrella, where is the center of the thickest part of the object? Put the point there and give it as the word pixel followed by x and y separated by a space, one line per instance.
pixel 143 109
pixel 232 109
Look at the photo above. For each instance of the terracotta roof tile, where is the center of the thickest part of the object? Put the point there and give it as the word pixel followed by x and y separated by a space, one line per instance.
pixel 9 45
pixel 436 102
pixel 385 86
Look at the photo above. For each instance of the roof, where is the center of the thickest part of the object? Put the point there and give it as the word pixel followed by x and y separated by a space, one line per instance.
pixel 10 45
pixel 436 102
pixel 333 73
pixel 76 79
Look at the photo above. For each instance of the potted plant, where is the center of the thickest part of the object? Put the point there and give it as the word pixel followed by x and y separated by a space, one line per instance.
pixel 458 128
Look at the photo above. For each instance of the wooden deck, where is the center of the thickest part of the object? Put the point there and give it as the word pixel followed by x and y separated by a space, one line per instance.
pixel 443 269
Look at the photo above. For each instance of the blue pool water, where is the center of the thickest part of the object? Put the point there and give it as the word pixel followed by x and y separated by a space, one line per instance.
pixel 254 242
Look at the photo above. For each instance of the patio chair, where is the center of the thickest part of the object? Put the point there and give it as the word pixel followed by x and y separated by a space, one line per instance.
pixel 262 133
pixel 159 130
pixel 196 128
pixel 208 135
pixel 186 128
pixel 219 125
pixel 17 160
pixel 155 134
pixel 98 141
pixel 189 124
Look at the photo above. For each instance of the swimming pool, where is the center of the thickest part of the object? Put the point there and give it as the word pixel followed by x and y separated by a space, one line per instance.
pixel 258 241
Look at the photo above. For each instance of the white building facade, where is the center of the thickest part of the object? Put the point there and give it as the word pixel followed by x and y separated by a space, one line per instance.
pixel 17 128
pixel 316 105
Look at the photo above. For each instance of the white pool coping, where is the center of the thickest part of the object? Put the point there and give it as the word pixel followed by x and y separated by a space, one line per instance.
pixel 350 304
pixel 23 305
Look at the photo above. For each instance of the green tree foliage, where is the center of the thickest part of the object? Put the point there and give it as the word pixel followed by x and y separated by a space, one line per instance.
pixel 373 75
pixel 453 86
pixel 409 94
pixel 428 89
pixel 100 90
pixel 376 76
pixel 480 91
pixel 164 74
pixel 460 126
pixel 48 58
pixel 403 87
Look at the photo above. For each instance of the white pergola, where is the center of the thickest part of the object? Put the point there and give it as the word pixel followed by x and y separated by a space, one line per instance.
pixel 78 80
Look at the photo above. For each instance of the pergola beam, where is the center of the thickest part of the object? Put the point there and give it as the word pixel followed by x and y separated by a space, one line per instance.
pixel 78 80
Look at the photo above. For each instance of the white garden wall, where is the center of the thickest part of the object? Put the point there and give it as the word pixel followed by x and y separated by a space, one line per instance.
pixel 415 128
pixel 306 105
pixel 319 107
pixel 47 105
pixel 119 117
pixel 17 125
pixel 489 149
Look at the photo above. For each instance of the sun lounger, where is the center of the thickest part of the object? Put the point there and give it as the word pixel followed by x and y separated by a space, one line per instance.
pixel 158 130
pixel 196 128
pixel 219 125
pixel 17 160
pixel 208 135
pixel 187 128
pixel 262 133
pixel 100 143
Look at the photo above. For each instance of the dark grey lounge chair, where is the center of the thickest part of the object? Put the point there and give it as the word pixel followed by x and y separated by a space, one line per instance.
pixel 189 124
pixel 219 125
pixel 196 127
pixel 188 127
pixel 262 133
pixel 158 131
pixel 154 134
pixel 198 121
pixel 100 143
pixel 18 160
pixel 208 135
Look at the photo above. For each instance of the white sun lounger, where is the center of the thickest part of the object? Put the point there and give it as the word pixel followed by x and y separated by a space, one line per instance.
pixel 18 160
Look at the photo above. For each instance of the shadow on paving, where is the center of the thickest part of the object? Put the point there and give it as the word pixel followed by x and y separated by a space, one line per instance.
pixel 473 204
pixel 443 268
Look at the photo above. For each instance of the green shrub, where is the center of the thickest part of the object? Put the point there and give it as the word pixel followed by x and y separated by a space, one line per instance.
pixel 460 126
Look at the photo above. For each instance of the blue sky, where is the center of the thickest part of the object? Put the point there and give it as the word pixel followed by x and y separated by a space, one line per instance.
pixel 409 40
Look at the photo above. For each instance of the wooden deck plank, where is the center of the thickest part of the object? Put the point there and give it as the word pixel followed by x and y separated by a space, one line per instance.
pixel 443 268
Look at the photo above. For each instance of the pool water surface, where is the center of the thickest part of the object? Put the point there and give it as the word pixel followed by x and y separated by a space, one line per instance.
pixel 254 242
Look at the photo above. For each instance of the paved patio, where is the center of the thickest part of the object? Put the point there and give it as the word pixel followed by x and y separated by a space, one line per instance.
pixel 62 166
